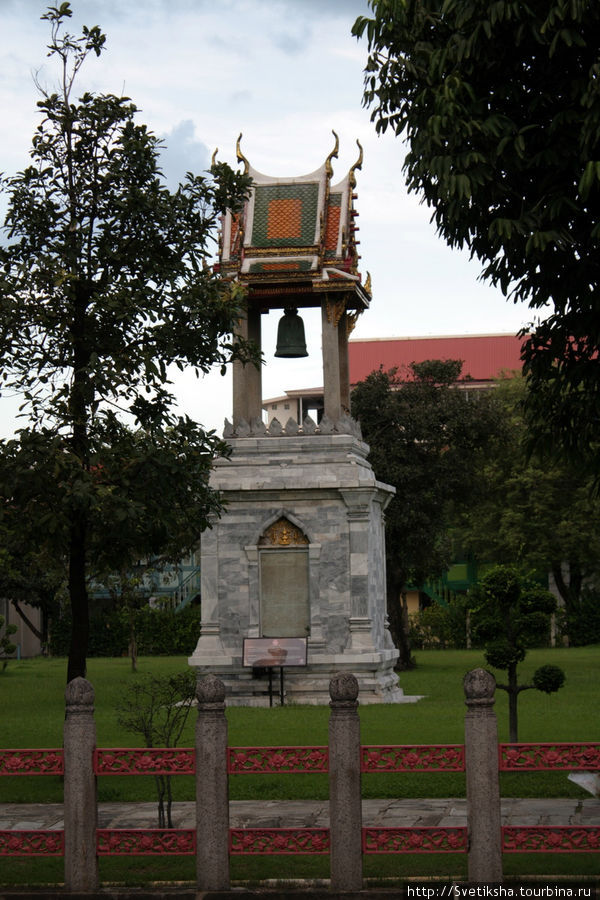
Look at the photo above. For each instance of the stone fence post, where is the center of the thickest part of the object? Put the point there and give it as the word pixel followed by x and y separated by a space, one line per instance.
pixel 483 785
pixel 212 791
pixel 345 804
pixel 80 798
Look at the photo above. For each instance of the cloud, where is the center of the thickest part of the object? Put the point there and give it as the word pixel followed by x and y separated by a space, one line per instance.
pixel 317 9
pixel 183 153
pixel 289 43
pixel 240 97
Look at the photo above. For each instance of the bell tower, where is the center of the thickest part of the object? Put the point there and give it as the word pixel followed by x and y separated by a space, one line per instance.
pixel 301 544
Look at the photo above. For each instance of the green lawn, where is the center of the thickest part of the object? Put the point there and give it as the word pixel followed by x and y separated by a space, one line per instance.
pixel 32 712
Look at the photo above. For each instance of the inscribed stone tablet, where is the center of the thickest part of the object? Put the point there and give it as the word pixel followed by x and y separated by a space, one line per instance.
pixel 284 606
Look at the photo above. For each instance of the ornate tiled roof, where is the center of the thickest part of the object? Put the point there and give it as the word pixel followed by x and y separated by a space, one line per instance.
pixel 296 234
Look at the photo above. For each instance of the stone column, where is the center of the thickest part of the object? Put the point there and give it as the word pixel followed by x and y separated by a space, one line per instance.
pixel 80 799
pixel 345 804
pixel 212 794
pixel 209 650
pixel 358 504
pixel 247 380
pixel 483 786
pixel 332 397
pixel 344 363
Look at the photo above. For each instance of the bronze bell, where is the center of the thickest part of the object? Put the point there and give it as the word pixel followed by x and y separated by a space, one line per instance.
pixel 291 342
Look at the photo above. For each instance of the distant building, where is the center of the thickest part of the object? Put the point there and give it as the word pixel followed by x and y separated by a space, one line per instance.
pixel 485 357
pixel 25 641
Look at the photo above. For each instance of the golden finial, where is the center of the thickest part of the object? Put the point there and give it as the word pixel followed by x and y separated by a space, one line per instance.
pixel 351 319
pixel 368 283
pixel 213 161
pixel 332 155
pixel 357 164
pixel 240 156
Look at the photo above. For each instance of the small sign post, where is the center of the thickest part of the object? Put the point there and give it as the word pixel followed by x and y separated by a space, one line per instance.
pixel 270 653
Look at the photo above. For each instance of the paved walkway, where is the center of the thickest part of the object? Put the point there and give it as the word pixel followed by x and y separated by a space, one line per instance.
pixel 307 813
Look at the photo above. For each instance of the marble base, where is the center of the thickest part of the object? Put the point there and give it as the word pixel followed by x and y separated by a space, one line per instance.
pixel 324 485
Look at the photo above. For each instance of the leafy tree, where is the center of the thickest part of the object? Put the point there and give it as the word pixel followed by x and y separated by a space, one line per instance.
pixel 28 578
pixel 104 286
pixel 157 708
pixel 508 617
pixel 499 103
pixel 540 514
pixel 424 436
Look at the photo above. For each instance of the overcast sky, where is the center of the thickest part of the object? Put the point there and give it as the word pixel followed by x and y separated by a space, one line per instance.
pixel 285 73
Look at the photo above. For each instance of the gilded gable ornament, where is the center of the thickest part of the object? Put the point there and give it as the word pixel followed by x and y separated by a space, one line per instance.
pixel 283 533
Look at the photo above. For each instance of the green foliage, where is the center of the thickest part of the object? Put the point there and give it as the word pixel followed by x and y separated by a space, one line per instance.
pixel 582 624
pixel 158 632
pixel 499 105
pixel 510 612
pixel 539 513
pixel 508 616
pixel 7 648
pixel 104 287
pixel 425 437
pixel 548 679
pixel 157 708
pixel 502 653
pixel 439 626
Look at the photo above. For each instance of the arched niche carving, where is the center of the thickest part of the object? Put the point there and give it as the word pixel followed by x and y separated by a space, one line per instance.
pixel 284 580
pixel 283 533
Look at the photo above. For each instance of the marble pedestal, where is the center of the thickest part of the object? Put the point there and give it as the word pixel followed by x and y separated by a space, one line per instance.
pixel 323 485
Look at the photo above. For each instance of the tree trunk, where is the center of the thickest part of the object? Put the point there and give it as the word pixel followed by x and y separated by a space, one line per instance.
pixel 35 631
pixel 398 620
pixel 160 788
pixel 132 641
pixel 570 592
pixel 169 802
pixel 80 393
pixel 513 696
pixel 80 629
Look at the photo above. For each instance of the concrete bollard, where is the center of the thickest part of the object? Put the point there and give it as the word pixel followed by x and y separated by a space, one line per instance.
pixel 212 790
pixel 80 798
pixel 345 804
pixel 483 785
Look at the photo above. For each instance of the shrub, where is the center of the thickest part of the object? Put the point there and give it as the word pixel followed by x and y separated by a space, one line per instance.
pixel 158 632
pixel 7 648
pixel 583 626
pixel 440 627
pixel 509 615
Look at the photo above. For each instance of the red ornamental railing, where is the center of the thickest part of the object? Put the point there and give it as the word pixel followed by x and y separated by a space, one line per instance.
pixel 31 762
pixel 273 841
pixel 413 758
pixel 548 839
pixel 277 760
pixel 145 761
pixel 145 842
pixel 32 843
pixel 415 840
pixel 542 757
pixel 307 760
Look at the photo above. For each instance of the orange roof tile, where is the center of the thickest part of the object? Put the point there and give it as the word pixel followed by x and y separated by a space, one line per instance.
pixel 484 356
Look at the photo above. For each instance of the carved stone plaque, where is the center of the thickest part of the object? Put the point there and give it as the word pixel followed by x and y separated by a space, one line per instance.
pixel 284 602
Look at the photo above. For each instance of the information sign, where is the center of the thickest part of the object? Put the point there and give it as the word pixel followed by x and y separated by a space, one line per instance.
pixel 275 652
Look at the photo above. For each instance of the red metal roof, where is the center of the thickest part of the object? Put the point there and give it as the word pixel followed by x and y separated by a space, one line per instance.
pixel 484 356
